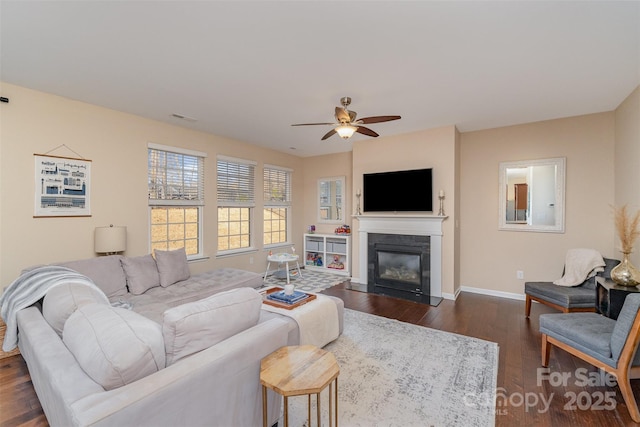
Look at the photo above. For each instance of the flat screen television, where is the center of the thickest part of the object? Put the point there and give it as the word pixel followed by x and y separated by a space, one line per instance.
pixel 398 191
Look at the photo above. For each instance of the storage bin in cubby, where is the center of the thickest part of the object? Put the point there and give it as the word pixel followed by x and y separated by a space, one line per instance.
pixel 337 247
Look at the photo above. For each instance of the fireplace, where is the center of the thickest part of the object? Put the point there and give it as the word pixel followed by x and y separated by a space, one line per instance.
pixel 399 266
pixel 421 229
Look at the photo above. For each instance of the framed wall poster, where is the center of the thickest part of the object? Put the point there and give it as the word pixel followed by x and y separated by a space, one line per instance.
pixel 62 186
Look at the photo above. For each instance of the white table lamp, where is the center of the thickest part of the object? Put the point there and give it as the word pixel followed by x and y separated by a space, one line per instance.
pixel 110 240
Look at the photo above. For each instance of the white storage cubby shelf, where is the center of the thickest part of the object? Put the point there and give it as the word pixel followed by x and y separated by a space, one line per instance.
pixel 330 253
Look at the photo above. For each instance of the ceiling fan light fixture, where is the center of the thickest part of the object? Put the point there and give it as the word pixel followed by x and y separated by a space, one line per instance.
pixel 346 131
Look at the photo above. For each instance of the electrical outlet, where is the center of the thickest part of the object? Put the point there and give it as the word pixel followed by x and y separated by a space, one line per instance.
pixel 250 260
pixel 520 274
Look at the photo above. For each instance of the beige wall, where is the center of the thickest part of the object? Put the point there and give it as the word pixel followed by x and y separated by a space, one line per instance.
pixel 475 253
pixel 433 148
pixel 627 159
pixel 490 258
pixel 35 122
pixel 332 165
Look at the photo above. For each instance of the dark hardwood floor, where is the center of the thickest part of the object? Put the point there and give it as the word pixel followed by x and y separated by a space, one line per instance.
pixel 525 398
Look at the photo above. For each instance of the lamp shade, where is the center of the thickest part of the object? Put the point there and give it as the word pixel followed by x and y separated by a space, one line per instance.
pixel 346 131
pixel 110 239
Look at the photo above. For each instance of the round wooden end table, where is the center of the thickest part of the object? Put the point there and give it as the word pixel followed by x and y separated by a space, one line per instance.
pixel 299 370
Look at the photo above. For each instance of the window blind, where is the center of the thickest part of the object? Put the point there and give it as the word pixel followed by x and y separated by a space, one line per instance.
pixel 235 182
pixel 277 186
pixel 175 178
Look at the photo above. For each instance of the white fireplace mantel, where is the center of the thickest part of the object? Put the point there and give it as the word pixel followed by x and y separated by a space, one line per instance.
pixel 406 224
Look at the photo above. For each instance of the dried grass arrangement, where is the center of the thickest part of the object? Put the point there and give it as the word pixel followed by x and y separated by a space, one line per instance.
pixel 628 228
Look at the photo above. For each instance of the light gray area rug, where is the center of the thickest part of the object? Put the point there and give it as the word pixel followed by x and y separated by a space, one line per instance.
pixel 397 374
pixel 311 281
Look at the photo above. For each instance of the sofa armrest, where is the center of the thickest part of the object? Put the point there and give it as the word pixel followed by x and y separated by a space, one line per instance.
pixel 56 376
pixel 219 386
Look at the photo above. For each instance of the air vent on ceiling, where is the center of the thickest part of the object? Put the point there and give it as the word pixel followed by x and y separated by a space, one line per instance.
pixel 182 117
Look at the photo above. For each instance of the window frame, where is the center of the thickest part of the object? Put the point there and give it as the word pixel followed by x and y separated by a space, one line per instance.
pixel 229 199
pixel 275 204
pixel 198 202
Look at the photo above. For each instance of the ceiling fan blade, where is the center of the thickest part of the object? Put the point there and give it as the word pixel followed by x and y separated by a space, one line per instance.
pixel 378 119
pixel 329 134
pixel 312 124
pixel 366 131
pixel 342 115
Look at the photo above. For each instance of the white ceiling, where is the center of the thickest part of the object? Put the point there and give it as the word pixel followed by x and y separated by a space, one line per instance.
pixel 248 70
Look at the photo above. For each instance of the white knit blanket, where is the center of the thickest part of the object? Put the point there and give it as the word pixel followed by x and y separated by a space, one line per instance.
pixel 317 320
pixel 28 289
pixel 580 265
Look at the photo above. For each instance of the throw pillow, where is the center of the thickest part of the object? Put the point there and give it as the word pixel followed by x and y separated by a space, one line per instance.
pixel 172 266
pixel 61 301
pixel 112 345
pixel 198 325
pixel 142 273
pixel 105 271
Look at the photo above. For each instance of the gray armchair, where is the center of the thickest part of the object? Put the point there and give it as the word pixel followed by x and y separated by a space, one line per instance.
pixel 603 342
pixel 566 299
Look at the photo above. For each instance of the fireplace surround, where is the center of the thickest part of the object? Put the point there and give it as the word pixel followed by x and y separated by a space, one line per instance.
pixel 402 224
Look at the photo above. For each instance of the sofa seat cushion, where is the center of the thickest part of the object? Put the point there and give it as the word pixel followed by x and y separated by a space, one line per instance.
pixel 114 346
pixel 192 327
pixel 579 296
pixel 62 300
pixel 155 301
pixel 142 273
pixel 105 271
pixel 589 332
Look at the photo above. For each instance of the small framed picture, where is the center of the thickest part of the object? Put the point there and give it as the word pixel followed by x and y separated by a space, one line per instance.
pixel 62 186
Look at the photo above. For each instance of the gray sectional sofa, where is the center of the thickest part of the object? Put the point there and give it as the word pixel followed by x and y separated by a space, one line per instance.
pixel 154 346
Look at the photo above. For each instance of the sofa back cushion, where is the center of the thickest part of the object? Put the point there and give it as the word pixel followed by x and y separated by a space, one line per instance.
pixel 192 327
pixel 62 300
pixel 172 266
pixel 141 272
pixel 105 271
pixel 114 346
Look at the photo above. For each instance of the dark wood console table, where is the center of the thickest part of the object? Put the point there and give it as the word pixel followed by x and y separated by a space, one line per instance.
pixel 610 297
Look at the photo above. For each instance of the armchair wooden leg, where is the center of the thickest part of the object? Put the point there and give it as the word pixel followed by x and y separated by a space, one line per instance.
pixel 546 350
pixel 527 306
pixel 629 398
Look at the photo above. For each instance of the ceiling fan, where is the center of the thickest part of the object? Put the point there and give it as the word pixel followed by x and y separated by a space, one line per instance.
pixel 346 124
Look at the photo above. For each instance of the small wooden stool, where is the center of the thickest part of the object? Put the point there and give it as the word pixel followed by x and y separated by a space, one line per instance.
pixel 298 370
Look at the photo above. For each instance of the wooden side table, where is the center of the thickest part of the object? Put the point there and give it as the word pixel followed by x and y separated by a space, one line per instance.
pixel 610 297
pixel 3 354
pixel 299 370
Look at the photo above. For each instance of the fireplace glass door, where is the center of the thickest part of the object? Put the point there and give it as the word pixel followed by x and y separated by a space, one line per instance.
pixel 399 267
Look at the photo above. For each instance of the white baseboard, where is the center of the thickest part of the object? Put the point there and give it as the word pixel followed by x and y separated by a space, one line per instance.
pixel 355 283
pixel 452 297
pixel 493 293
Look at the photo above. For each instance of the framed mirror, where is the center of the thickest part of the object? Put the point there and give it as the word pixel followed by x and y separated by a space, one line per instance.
pixel 331 200
pixel 531 196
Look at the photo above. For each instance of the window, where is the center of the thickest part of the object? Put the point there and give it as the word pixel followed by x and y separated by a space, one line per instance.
pixel 236 200
pixel 277 205
pixel 176 198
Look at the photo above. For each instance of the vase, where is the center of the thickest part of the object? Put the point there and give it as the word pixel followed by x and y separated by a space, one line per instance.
pixel 625 274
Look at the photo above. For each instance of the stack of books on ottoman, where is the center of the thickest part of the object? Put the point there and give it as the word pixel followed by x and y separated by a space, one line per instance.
pixel 276 296
pixel 281 296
